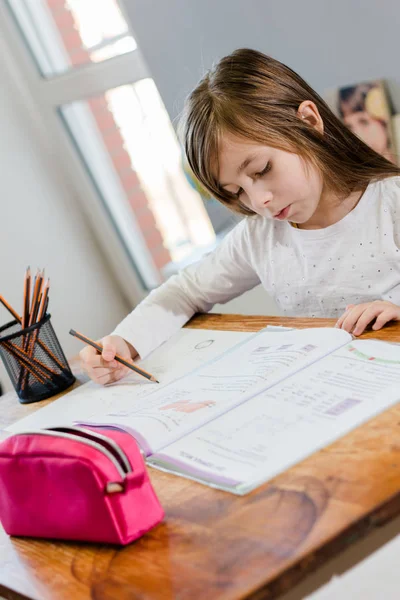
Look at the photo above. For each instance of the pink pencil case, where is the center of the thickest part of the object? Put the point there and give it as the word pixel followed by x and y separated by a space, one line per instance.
pixel 76 483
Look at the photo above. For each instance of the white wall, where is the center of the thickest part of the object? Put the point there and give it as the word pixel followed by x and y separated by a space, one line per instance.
pixel 328 43
pixel 42 225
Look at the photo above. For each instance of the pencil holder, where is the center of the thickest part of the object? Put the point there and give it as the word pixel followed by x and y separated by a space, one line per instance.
pixel 34 360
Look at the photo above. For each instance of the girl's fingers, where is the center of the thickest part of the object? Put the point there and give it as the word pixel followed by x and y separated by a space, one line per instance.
pixel 351 318
pixel 358 316
pixel 339 322
pixel 383 318
pixel 110 377
pixel 102 376
pixel 98 361
pixel 366 317
pixel 379 311
pixel 98 373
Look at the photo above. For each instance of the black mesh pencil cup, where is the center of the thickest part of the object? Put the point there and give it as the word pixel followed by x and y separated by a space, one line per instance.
pixel 34 360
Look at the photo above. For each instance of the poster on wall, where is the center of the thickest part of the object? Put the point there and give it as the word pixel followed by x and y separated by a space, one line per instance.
pixel 366 109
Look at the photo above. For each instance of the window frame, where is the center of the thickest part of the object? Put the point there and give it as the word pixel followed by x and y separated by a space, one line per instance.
pixel 43 98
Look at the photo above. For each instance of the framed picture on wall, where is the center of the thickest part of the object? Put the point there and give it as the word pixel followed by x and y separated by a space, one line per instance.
pixel 366 109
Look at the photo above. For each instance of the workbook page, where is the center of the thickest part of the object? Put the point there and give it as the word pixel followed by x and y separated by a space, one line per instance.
pixel 287 422
pixel 170 412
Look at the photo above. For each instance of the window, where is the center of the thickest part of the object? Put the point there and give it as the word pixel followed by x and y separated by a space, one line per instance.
pixel 67 33
pixel 93 75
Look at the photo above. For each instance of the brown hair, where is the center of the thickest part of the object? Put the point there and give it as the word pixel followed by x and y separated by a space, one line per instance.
pixel 256 97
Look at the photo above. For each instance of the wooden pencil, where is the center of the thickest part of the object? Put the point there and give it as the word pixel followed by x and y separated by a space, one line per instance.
pixel 10 309
pixel 38 314
pixel 43 301
pixel 118 358
pixel 42 368
pixel 25 321
pixel 18 318
pixel 21 359
pixel 36 298
pixel 34 309
pixel 29 363
pixel 25 308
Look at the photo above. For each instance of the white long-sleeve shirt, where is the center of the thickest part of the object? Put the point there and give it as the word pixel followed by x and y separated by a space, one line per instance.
pixel 309 272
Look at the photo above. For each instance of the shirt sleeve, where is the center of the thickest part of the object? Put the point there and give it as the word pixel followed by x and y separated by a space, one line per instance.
pixel 220 276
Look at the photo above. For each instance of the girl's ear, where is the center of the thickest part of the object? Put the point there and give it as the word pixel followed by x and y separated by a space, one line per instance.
pixel 309 113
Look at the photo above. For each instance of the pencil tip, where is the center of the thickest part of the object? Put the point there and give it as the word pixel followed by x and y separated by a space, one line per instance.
pixel 157 381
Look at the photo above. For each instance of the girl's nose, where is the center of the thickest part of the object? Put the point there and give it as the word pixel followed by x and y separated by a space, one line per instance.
pixel 260 199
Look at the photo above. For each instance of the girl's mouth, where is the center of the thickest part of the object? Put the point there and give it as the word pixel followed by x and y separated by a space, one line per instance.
pixel 283 213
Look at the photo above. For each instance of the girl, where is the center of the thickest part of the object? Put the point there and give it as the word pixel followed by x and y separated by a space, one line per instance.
pixel 322 214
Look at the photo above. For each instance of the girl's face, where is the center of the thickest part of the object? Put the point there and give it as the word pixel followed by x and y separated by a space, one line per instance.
pixel 273 183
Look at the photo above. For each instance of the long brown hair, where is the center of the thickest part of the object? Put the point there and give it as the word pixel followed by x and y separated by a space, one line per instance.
pixel 256 97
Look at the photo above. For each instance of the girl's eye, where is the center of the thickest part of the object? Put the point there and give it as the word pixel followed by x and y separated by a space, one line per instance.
pixel 264 171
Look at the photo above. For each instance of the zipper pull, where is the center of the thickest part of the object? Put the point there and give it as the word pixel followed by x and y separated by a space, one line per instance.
pixel 114 487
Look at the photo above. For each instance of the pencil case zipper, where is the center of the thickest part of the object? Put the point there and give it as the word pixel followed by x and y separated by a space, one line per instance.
pixel 108 447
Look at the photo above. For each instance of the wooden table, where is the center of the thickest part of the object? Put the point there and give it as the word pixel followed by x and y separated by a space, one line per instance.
pixel 214 545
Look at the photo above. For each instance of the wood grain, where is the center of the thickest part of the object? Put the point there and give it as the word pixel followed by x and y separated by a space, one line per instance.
pixel 218 546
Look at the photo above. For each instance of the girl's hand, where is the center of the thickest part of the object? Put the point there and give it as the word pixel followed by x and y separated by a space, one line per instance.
pixel 358 316
pixel 102 368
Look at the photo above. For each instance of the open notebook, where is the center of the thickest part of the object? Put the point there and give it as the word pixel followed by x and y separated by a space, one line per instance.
pixel 258 408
